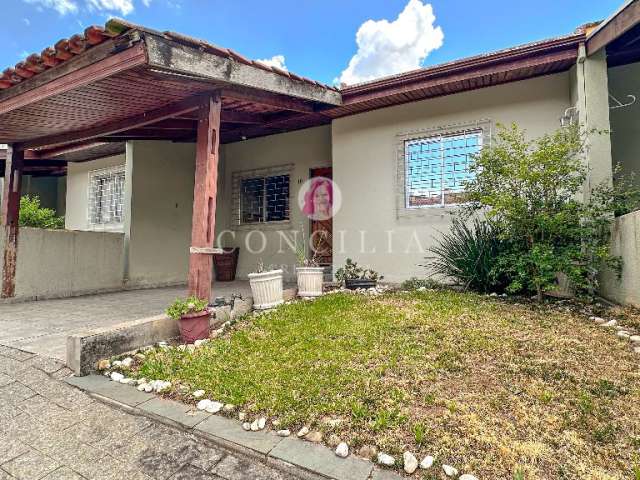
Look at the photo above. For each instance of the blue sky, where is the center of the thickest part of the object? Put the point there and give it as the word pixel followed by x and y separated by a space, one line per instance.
pixel 316 38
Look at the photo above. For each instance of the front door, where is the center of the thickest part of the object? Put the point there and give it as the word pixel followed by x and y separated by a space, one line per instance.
pixel 322 230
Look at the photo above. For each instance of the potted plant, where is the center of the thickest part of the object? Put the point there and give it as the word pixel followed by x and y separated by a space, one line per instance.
pixel 193 317
pixel 266 288
pixel 308 272
pixel 354 276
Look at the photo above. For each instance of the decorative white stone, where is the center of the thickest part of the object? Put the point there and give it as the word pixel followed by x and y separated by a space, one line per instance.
pixel 198 393
pixel 127 362
pixel 199 343
pixel 636 350
pixel 141 387
pixel 116 376
pixel 246 426
pixel 262 422
pixel 623 334
pixel 142 381
pixel 127 380
pixel 635 338
pixel 410 462
pixel 117 364
pixel 384 459
pixel 283 433
pixel 160 386
pixel 275 422
pixel 214 407
pixel 229 407
pixel 597 319
pixel 426 462
pixel 254 426
pixel 342 450
pixel 203 404
pixel 610 323
pixel 467 476
pixel 303 431
pixel 450 471
pixel 242 416
pixel 148 388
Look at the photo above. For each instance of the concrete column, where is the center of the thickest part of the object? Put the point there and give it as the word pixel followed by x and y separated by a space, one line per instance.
pixel 9 218
pixel 591 92
pixel 128 194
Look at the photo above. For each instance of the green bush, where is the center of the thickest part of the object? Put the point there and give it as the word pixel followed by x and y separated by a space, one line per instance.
pixel 33 215
pixel 469 254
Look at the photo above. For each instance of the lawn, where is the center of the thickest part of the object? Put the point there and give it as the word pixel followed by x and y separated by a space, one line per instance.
pixel 496 388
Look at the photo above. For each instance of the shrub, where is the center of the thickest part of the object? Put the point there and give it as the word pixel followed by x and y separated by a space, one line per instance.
pixel 415 283
pixel 33 215
pixel 351 270
pixel 532 194
pixel 469 254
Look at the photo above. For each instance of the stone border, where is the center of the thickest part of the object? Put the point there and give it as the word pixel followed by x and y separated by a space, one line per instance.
pixel 291 455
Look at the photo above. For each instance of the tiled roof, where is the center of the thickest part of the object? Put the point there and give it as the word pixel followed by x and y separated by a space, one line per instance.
pixel 67 49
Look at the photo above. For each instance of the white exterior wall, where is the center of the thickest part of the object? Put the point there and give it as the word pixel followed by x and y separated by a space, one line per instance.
pixel 364 166
pixel 305 149
pixel 77 195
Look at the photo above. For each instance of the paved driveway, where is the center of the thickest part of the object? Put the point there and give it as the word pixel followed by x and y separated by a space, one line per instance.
pixel 52 431
pixel 43 326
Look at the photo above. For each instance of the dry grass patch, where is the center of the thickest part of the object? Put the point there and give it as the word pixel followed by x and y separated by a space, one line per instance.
pixel 498 389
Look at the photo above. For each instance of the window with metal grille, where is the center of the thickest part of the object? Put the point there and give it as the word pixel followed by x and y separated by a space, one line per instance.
pixel 437 166
pixel 264 199
pixel 106 196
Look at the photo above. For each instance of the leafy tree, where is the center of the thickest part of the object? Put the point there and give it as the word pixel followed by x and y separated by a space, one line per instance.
pixel 531 192
pixel 33 215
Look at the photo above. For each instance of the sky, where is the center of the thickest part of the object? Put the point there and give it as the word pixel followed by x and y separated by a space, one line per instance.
pixel 332 41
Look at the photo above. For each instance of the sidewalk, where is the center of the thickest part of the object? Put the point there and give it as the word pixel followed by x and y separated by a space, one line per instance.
pixel 53 431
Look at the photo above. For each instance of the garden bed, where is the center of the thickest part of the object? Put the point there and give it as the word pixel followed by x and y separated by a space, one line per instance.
pixel 496 388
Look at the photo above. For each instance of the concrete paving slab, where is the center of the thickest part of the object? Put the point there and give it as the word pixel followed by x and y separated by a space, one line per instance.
pixel 115 391
pixel 319 458
pixel 232 431
pixel 176 411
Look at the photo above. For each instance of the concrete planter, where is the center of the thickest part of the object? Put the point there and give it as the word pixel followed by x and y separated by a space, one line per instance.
pixel 310 281
pixel 266 288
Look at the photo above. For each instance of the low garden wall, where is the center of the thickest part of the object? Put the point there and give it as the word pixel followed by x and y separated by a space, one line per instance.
pixel 63 263
pixel 625 241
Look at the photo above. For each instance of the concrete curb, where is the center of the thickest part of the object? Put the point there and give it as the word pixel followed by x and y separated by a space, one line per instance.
pixel 290 455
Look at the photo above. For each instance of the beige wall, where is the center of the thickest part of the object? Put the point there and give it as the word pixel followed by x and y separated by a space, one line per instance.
pixel 625 122
pixel 161 189
pixel 305 149
pixel 77 201
pixel 60 263
pixel 364 166
pixel 625 242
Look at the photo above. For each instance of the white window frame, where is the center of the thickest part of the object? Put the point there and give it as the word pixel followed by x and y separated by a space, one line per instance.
pixel 236 180
pixel 92 175
pixel 405 140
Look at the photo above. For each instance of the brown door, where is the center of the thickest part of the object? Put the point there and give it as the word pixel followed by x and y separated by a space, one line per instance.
pixel 322 230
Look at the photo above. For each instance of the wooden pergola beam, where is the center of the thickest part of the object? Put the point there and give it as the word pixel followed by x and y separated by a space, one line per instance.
pixel 14 165
pixel 268 99
pixel 204 198
pixel 171 56
pixel 147 118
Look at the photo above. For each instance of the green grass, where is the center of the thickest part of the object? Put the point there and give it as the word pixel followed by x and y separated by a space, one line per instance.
pixel 491 387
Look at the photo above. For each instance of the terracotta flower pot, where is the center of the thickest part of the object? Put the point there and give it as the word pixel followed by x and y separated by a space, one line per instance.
pixel 194 326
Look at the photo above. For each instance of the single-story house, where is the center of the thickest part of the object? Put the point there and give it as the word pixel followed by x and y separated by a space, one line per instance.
pixel 159 147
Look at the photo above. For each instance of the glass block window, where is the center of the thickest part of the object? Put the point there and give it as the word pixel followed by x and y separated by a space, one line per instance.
pixel 106 196
pixel 262 196
pixel 437 166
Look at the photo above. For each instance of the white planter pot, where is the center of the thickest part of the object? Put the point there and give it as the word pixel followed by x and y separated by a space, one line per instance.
pixel 310 281
pixel 266 288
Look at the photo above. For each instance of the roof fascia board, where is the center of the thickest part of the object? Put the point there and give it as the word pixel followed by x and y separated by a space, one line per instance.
pixel 627 17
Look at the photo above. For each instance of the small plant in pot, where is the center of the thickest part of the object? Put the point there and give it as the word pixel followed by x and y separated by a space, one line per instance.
pixel 309 273
pixel 192 315
pixel 353 276
pixel 266 287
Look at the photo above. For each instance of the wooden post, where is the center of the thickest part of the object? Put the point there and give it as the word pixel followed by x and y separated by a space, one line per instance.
pixel 10 213
pixel 204 198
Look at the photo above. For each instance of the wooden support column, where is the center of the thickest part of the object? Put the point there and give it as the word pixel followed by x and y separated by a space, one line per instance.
pixel 204 198
pixel 10 213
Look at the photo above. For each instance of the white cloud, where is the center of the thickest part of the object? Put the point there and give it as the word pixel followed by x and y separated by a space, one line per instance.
pixel 146 2
pixel 125 7
pixel 61 6
pixel 386 48
pixel 26 21
pixel 275 61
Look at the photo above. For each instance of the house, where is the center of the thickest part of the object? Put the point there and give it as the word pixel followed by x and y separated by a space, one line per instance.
pixel 166 146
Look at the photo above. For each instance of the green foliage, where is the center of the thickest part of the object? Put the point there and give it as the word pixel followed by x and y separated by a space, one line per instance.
pixel 469 254
pixel 531 192
pixel 352 270
pixel 33 215
pixel 183 306
pixel 301 251
pixel 415 283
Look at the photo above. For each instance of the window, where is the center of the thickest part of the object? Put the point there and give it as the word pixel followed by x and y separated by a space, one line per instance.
pixel 436 167
pixel 106 196
pixel 262 196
